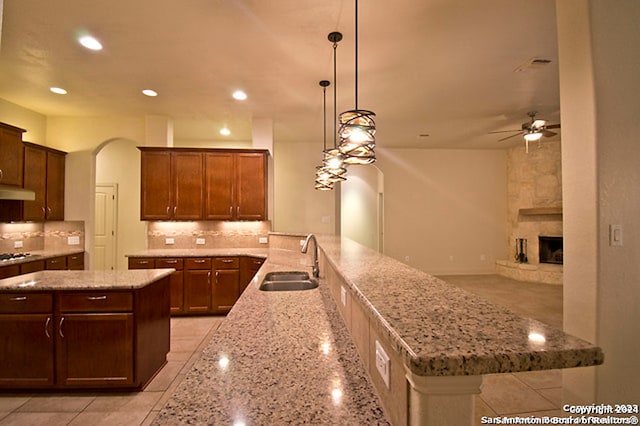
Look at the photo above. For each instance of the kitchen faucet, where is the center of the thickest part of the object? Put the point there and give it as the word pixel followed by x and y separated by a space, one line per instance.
pixel 305 246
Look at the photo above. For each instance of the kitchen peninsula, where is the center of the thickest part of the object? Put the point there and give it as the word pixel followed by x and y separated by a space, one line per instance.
pixel 423 345
pixel 83 329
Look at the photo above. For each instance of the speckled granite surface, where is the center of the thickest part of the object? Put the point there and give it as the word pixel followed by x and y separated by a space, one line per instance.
pixel 42 254
pixel 278 358
pixel 83 280
pixel 203 252
pixel 441 330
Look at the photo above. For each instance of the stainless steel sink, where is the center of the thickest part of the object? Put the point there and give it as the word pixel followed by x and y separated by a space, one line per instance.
pixel 288 281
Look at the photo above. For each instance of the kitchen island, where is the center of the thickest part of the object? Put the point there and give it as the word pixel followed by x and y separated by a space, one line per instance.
pixel 83 329
pixel 282 357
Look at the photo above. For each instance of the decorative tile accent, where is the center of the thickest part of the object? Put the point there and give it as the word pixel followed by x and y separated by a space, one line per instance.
pixel 216 234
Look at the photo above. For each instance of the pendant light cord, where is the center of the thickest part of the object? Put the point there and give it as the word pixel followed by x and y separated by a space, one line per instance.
pixel 324 119
pixel 356 54
pixel 335 90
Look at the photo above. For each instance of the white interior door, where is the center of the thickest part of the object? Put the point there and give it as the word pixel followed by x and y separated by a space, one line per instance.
pixel 105 227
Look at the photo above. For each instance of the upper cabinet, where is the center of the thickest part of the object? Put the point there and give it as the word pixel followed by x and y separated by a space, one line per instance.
pixel 44 174
pixel 197 184
pixel 235 186
pixel 171 185
pixel 11 161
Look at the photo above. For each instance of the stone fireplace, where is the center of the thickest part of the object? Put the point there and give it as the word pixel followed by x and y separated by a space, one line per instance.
pixel 534 188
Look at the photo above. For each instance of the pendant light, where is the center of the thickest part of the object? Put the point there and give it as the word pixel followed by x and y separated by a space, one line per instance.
pixel 322 174
pixel 333 159
pixel 357 126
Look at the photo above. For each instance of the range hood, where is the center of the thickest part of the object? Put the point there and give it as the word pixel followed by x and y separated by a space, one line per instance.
pixel 8 192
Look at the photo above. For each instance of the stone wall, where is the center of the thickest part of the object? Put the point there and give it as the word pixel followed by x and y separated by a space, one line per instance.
pixel 534 181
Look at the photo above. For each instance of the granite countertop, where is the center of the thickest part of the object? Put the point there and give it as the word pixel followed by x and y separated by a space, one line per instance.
pixel 441 330
pixel 83 280
pixel 42 254
pixel 201 252
pixel 278 357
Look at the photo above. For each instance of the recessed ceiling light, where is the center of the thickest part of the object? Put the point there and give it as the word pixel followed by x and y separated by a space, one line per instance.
pixel 149 92
pixel 239 95
pixel 58 90
pixel 90 42
pixel 225 132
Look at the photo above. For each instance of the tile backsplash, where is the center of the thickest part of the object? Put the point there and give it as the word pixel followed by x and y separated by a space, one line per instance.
pixel 33 236
pixel 207 234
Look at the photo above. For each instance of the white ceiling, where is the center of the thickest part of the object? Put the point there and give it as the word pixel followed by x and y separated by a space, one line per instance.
pixel 445 68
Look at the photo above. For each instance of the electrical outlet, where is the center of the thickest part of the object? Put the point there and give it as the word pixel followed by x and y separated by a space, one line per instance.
pixel 382 363
pixel 169 241
pixel 17 244
pixel 301 243
pixel 200 241
pixel 73 241
pixel 263 240
pixel 343 295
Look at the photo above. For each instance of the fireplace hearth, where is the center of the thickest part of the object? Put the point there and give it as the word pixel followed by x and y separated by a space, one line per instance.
pixel 550 250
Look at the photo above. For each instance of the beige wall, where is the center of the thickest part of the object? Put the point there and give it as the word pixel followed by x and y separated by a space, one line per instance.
pixel 360 215
pixel 600 151
pixel 298 207
pixel 118 162
pixel 35 124
pixel 445 210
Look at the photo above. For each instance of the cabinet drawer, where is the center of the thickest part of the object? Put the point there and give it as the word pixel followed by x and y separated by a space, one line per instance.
pixel 227 262
pixel 75 262
pixel 20 303
pixel 96 302
pixel 56 263
pixel 140 263
pixel 35 266
pixel 176 264
pixel 254 263
pixel 9 271
pixel 197 263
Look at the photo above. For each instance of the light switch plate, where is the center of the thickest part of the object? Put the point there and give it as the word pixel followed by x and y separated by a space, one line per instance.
pixel 17 244
pixel 615 235
pixel 73 240
pixel 263 240
pixel 382 363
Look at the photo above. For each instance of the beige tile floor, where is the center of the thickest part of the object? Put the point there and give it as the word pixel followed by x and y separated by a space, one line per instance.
pixel 525 394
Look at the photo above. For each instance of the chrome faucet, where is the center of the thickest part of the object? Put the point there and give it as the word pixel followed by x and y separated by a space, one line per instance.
pixel 305 246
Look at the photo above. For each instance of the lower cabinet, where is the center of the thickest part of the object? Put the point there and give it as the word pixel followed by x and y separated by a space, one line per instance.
pixel 197 285
pixel 26 333
pixel 204 285
pixel 84 339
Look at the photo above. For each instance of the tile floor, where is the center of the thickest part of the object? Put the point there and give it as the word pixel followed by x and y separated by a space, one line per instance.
pixel 526 394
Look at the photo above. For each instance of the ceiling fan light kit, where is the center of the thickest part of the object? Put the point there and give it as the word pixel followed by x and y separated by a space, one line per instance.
pixel 532 130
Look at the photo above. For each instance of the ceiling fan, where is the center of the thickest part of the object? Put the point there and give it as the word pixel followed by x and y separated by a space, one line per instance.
pixel 532 130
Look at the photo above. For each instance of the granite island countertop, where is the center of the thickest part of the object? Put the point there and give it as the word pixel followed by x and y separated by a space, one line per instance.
pixel 42 255
pixel 83 280
pixel 280 356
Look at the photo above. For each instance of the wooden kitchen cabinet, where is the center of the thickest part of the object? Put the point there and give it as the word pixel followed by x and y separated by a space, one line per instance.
pixel 75 262
pixel 176 283
pixel 95 339
pixel 33 266
pixel 235 186
pixel 226 285
pixel 248 268
pixel 197 285
pixel 26 333
pixel 58 263
pixel 9 271
pixel 81 339
pixel 44 171
pixel 171 184
pixel 11 159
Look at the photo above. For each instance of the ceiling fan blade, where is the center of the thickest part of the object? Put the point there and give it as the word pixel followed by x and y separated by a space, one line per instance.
pixel 548 134
pixel 552 126
pixel 509 137
pixel 505 131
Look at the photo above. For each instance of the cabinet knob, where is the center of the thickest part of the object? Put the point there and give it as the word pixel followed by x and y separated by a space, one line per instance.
pixel 18 299
pixel 96 297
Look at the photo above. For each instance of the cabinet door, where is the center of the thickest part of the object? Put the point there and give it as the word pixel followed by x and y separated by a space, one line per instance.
pixel 176 283
pixel 140 263
pixel 251 186
pixel 35 178
pixel 55 186
pixel 56 263
pixel 75 262
pixel 26 351
pixel 187 171
pixel 226 289
pixel 219 183
pixel 248 268
pixel 197 291
pixel 95 349
pixel 33 266
pixel 155 185
pixel 11 160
